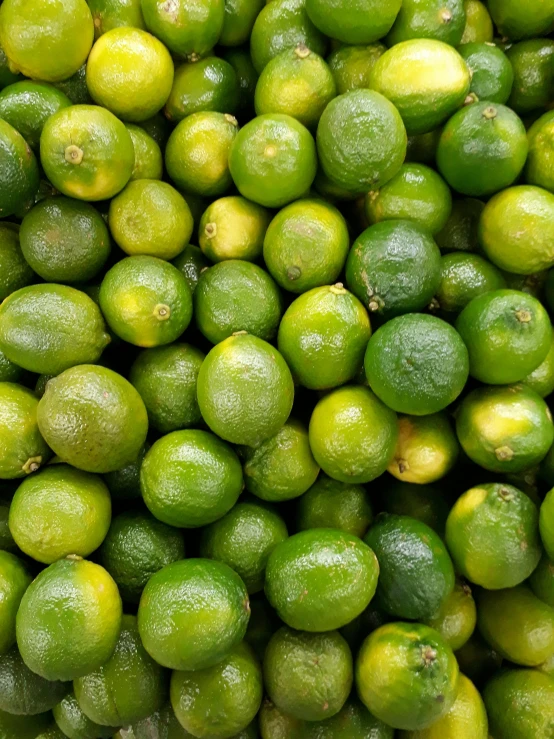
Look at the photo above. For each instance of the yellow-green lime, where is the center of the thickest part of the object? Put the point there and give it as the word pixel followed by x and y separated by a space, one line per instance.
pixel 358 22
pixel 108 14
pixel 479 27
pixel 23 692
pixel 538 170
pixel 19 173
pixel 23 450
pixel 443 20
pixel 187 29
pixel 14 581
pixel 533 76
pixel 15 272
pixel 74 724
pixel 233 228
pixel 520 704
pixel 27 105
pixel 351 65
pixel 208 84
pixel 492 75
pixel 465 276
pixel 148 155
pixel 330 504
pixel 457 616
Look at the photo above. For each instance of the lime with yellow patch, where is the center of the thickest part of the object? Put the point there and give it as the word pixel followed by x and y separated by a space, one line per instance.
pixel 233 228
pixel 19 178
pixel 27 105
pixel 22 446
pixel 465 276
pixel 15 272
pixel 149 161
pixel 351 65
pixel 208 84
pixel 72 722
pixel 442 20
pixel 520 703
pixel 478 27
pixel 14 581
pixel 457 617
pixel 358 22
pixel 187 29
pixel 538 170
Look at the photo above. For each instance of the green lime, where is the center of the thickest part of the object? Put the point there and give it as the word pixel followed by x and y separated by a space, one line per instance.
pixel 192 614
pixel 146 301
pixel 190 478
pixel 162 724
pixel 416 193
pixel 234 296
pixel 542 581
pixel 546 524
pixel 353 435
pixel 75 87
pixel 427 503
pixel 245 390
pixel 14 581
pixel 148 155
pixel 241 61
pixel 27 105
pixel 197 153
pixel 361 141
pixel 233 228
pixel 240 16
pixel 187 29
pixel 219 700
pixel 533 74
pixel 351 65
pixel 320 579
pixel 65 240
pixel 306 245
pixel 273 160
pixel 461 230
pixel 456 619
pixel 520 704
pixel 23 450
pixel 330 504
pixel 208 84
pixel 24 727
pixel 505 429
pixel 281 467
pixel 492 74
pixel 86 152
pixel 394 268
pixel 22 692
pixel 69 620
pixel 74 724
pixel 407 675
pixel 482 149
pixel 191 262
pixel 434 19
pixel 538 170
pixel 108 14
pixel 93 419
pixel 416 364
pixel 243 539
pixel 357 22
pixel 426 450
pixel 479 27
pixel 464 277
pixel 422 147
pixel 15 273
pixel 58 512
pixel 516 21
pixel 46 40
pixel 124 483
pixel 292 683
pixel 19 178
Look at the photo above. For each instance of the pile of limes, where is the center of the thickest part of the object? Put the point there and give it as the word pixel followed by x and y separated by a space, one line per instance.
pixel 276 359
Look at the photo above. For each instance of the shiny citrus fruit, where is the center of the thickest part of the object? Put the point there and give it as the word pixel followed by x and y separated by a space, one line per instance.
pixel 233 228
pixel 541 379
pixel 435 19
pixel 191 262
pixel 492 74
pixel 27 105
pixel 517 22
pixel 14 270
pixel 351 65
pixel 464 277
pixel 538 170
pixel 19 174
pixel 23 691
pixel 187 28
pixel 148 155
pixel 520 704
pixel 208 84
pixel 479 27
pixel 239 19
pixel 23 450
pixel 457 616
pixel 108 14
pixel 74 724
pixel 14 581
pixel 359 22
pixel 533 77
pixel 330 504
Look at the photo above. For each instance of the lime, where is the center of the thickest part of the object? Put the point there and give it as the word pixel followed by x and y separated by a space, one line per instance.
pixel 416 364
pixel 69 619
pixel 330 504
pixel 22 691
pixel 245 390
pixel 492 74
pixel 93 418
pixel 361 141
pixel 14 581
pixel 24 727
pixel 479 27
pixel 306 245
pixel 464 277
pixel 15 273
pixel 320 579
pixel 46 39
pixel 407 675
pixel 27 105
pixel 517 22
pixel 197 153
pixel 19 178
pixel 394 267
pixel 234 296
pixel 351 65
pixel 48 328
pixel 86 152
pixel 23 450
pixel 505 429
pixel 358 22
pixel 424 502
pixel 456 619
pixel 137 546
pixel 219 700
pixel 520 704
pixel 187 28
pixel 124 483
pixel 434 19
pixel 233 228
pixel 65 240
pixel 273 160
pixel 108 14
pixel 60 511
pixel 240 60
pixel 148 155
pixel 74 724
pixel 533 74
pixel 192 614
pixel 165 378
pixel 190 478
pixel 542 581
pixel 281 467
pixel 239 20
pixel 538 170
pixel 191 262
pixel 353 435
pixel 546 524
pixel 150 217
pixel 208 84
pixel 406 75
pixel 145 300
pixel 243 539
pixel 461 230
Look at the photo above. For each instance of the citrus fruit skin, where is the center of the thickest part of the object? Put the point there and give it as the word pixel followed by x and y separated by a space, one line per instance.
pixel 190 478
pixel 136 546
pixel 406 75
pixel 542 581
pixel 519 703
pixel 517 23
pixel 73 723
pixel 507 334
pixel 533 78
pixel 306 245
pixel 464 277
pixel 482 149
pixel 273 160
pixel 208 84
pixel 150 217
pixel 538 170
pixel 93 418
pixel 338 571
pixel 492 74
pixel 233 228
pixel 296 689
pixel 193 613
pixel 46 40
pixel 434 19
pixel 392 652
pixel 416 364
pixel 23 449
pixel 282 467
pixel 62 639
pixel 323 336
pixel 86 152
pixel 330 504
pixel 47 328
pixel 19 179
pixel 351 65
pixel 15 273
pixel 60 511
pixel 238 22
pixel 492 535
pixel 546 524
pixel 24 692
pixel 505 429
pixel 14 581
pixel 220 700
pixel 65 240
pixel 146 301
pixel 359 22
pixel 479 27
pixel 394 268
pixel 361 141
pixel 243 539
pixel 108 14
pixel 245 390
pixel 191 262
pixel 457 617
pixel 187 28
pixel 107 699
pixel 148 155
pixel 26 105
pixel 165 378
